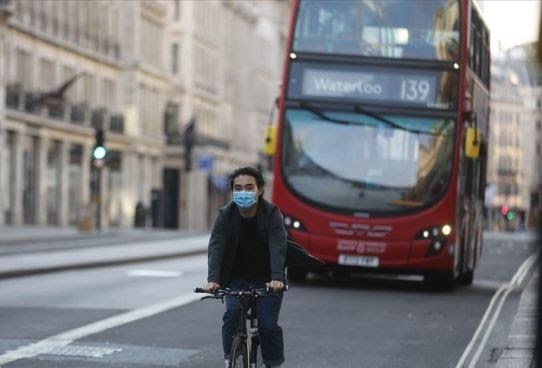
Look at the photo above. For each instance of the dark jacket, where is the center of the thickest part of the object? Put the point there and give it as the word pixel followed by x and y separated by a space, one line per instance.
pixel 225 236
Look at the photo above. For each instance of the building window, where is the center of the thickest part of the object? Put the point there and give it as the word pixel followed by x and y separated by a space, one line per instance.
pixel 176 10
pixel 74 21
pixel 506 117
pixel 115 187
pixel 65 20
pixel 502 139
pixel 47 74
pixel 150 42
pixel 114 33
pixel 19 11
pixel 75 173
pixel 67 73
pixel 23 72
pixel 42 13
pixel 109 94
pixel 31 14
pixel 8 172
pixel 54 178
pixel 175 58
pixel 171 122
pixel 55 13
pixel 89 89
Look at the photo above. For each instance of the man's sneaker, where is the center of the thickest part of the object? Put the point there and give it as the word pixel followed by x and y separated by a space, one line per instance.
pixel 226 363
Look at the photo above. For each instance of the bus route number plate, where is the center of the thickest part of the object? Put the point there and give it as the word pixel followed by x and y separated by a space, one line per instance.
pixel 362 261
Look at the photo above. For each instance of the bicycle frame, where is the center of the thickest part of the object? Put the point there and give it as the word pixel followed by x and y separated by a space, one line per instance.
pixel 247 311
pixel 250 336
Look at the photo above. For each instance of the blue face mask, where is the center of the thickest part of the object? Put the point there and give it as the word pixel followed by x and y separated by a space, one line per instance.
pixel 244 200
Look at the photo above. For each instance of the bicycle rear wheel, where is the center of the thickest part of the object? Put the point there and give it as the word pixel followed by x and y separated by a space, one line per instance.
pixel 239 354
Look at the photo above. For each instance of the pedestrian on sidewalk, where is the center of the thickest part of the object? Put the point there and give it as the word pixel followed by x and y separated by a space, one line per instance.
pixel 247 248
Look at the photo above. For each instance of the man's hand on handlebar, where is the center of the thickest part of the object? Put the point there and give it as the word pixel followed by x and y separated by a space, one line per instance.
pixel 275 285
pixel 211 287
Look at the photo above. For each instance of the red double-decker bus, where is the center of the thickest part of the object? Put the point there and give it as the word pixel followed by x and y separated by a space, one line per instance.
pixel 382 136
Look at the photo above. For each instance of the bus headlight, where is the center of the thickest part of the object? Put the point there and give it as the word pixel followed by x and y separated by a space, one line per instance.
pixel 434 232
pixel 446 230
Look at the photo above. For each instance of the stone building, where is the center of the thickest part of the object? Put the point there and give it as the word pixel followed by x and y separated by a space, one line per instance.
pixel 514 174
pixel 141 71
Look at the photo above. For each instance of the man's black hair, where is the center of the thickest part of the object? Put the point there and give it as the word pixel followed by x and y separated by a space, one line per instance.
pixel 251 171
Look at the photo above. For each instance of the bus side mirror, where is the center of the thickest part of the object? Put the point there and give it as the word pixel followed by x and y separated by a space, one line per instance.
pixel 472 143
pixel 270 146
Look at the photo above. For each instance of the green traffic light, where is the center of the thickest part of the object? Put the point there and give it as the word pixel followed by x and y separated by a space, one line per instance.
pixel 510 215
pixel 99 153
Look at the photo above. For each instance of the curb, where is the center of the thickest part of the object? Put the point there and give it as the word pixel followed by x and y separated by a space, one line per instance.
pixel 47 239
pixel 520 346
pixel 96 264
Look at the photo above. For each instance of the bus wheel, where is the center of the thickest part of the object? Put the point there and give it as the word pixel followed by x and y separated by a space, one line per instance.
pixel 297 274
pixel 466 278
pixel 439 280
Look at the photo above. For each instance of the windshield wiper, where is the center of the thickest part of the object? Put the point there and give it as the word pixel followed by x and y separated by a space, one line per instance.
pixel 308 106
pixel 374 115
pixel 360 109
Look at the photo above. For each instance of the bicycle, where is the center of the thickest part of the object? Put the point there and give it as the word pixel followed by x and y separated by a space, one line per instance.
pixel 245 347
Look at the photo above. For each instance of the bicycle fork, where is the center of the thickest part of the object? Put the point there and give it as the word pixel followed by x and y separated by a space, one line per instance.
pixel 253 344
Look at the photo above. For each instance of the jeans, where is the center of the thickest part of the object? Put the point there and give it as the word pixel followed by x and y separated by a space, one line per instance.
pixel 268 309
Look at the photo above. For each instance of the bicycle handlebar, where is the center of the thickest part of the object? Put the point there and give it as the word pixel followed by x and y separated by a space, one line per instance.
pixel 246 292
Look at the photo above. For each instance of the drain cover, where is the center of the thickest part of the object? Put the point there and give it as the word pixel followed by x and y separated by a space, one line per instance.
pixel 83 351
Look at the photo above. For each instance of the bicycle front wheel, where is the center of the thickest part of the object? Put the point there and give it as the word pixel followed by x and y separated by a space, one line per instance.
pixel 256 359
pixel 239 354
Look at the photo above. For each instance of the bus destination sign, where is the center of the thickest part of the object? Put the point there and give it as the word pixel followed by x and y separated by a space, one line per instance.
pixel 372 84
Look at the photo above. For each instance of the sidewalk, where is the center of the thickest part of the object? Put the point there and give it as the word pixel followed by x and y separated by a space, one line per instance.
pixel 19 234
pixel 521 344
pixel 137 245
pixel 44 234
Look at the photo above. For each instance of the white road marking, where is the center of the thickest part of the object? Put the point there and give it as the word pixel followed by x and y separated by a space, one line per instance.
pixel 498 298
pixel 154 273
pixel 489 309
pixel 65 338
pixel 489 328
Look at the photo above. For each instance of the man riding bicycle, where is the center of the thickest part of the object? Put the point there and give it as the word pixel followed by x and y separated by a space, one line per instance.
pixel 247 249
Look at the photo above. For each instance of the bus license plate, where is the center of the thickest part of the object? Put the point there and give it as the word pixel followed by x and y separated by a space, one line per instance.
pixel 363 261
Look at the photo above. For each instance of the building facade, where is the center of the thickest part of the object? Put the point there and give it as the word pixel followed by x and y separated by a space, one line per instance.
pixel 514 175
pixel 152 75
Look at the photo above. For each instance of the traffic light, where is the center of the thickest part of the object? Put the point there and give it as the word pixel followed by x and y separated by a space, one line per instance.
pixel 511 215
pixel 99 152
pixel 508 213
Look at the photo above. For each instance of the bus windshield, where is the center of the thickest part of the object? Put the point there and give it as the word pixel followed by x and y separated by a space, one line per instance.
pixel 414 29
pixel 352 162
